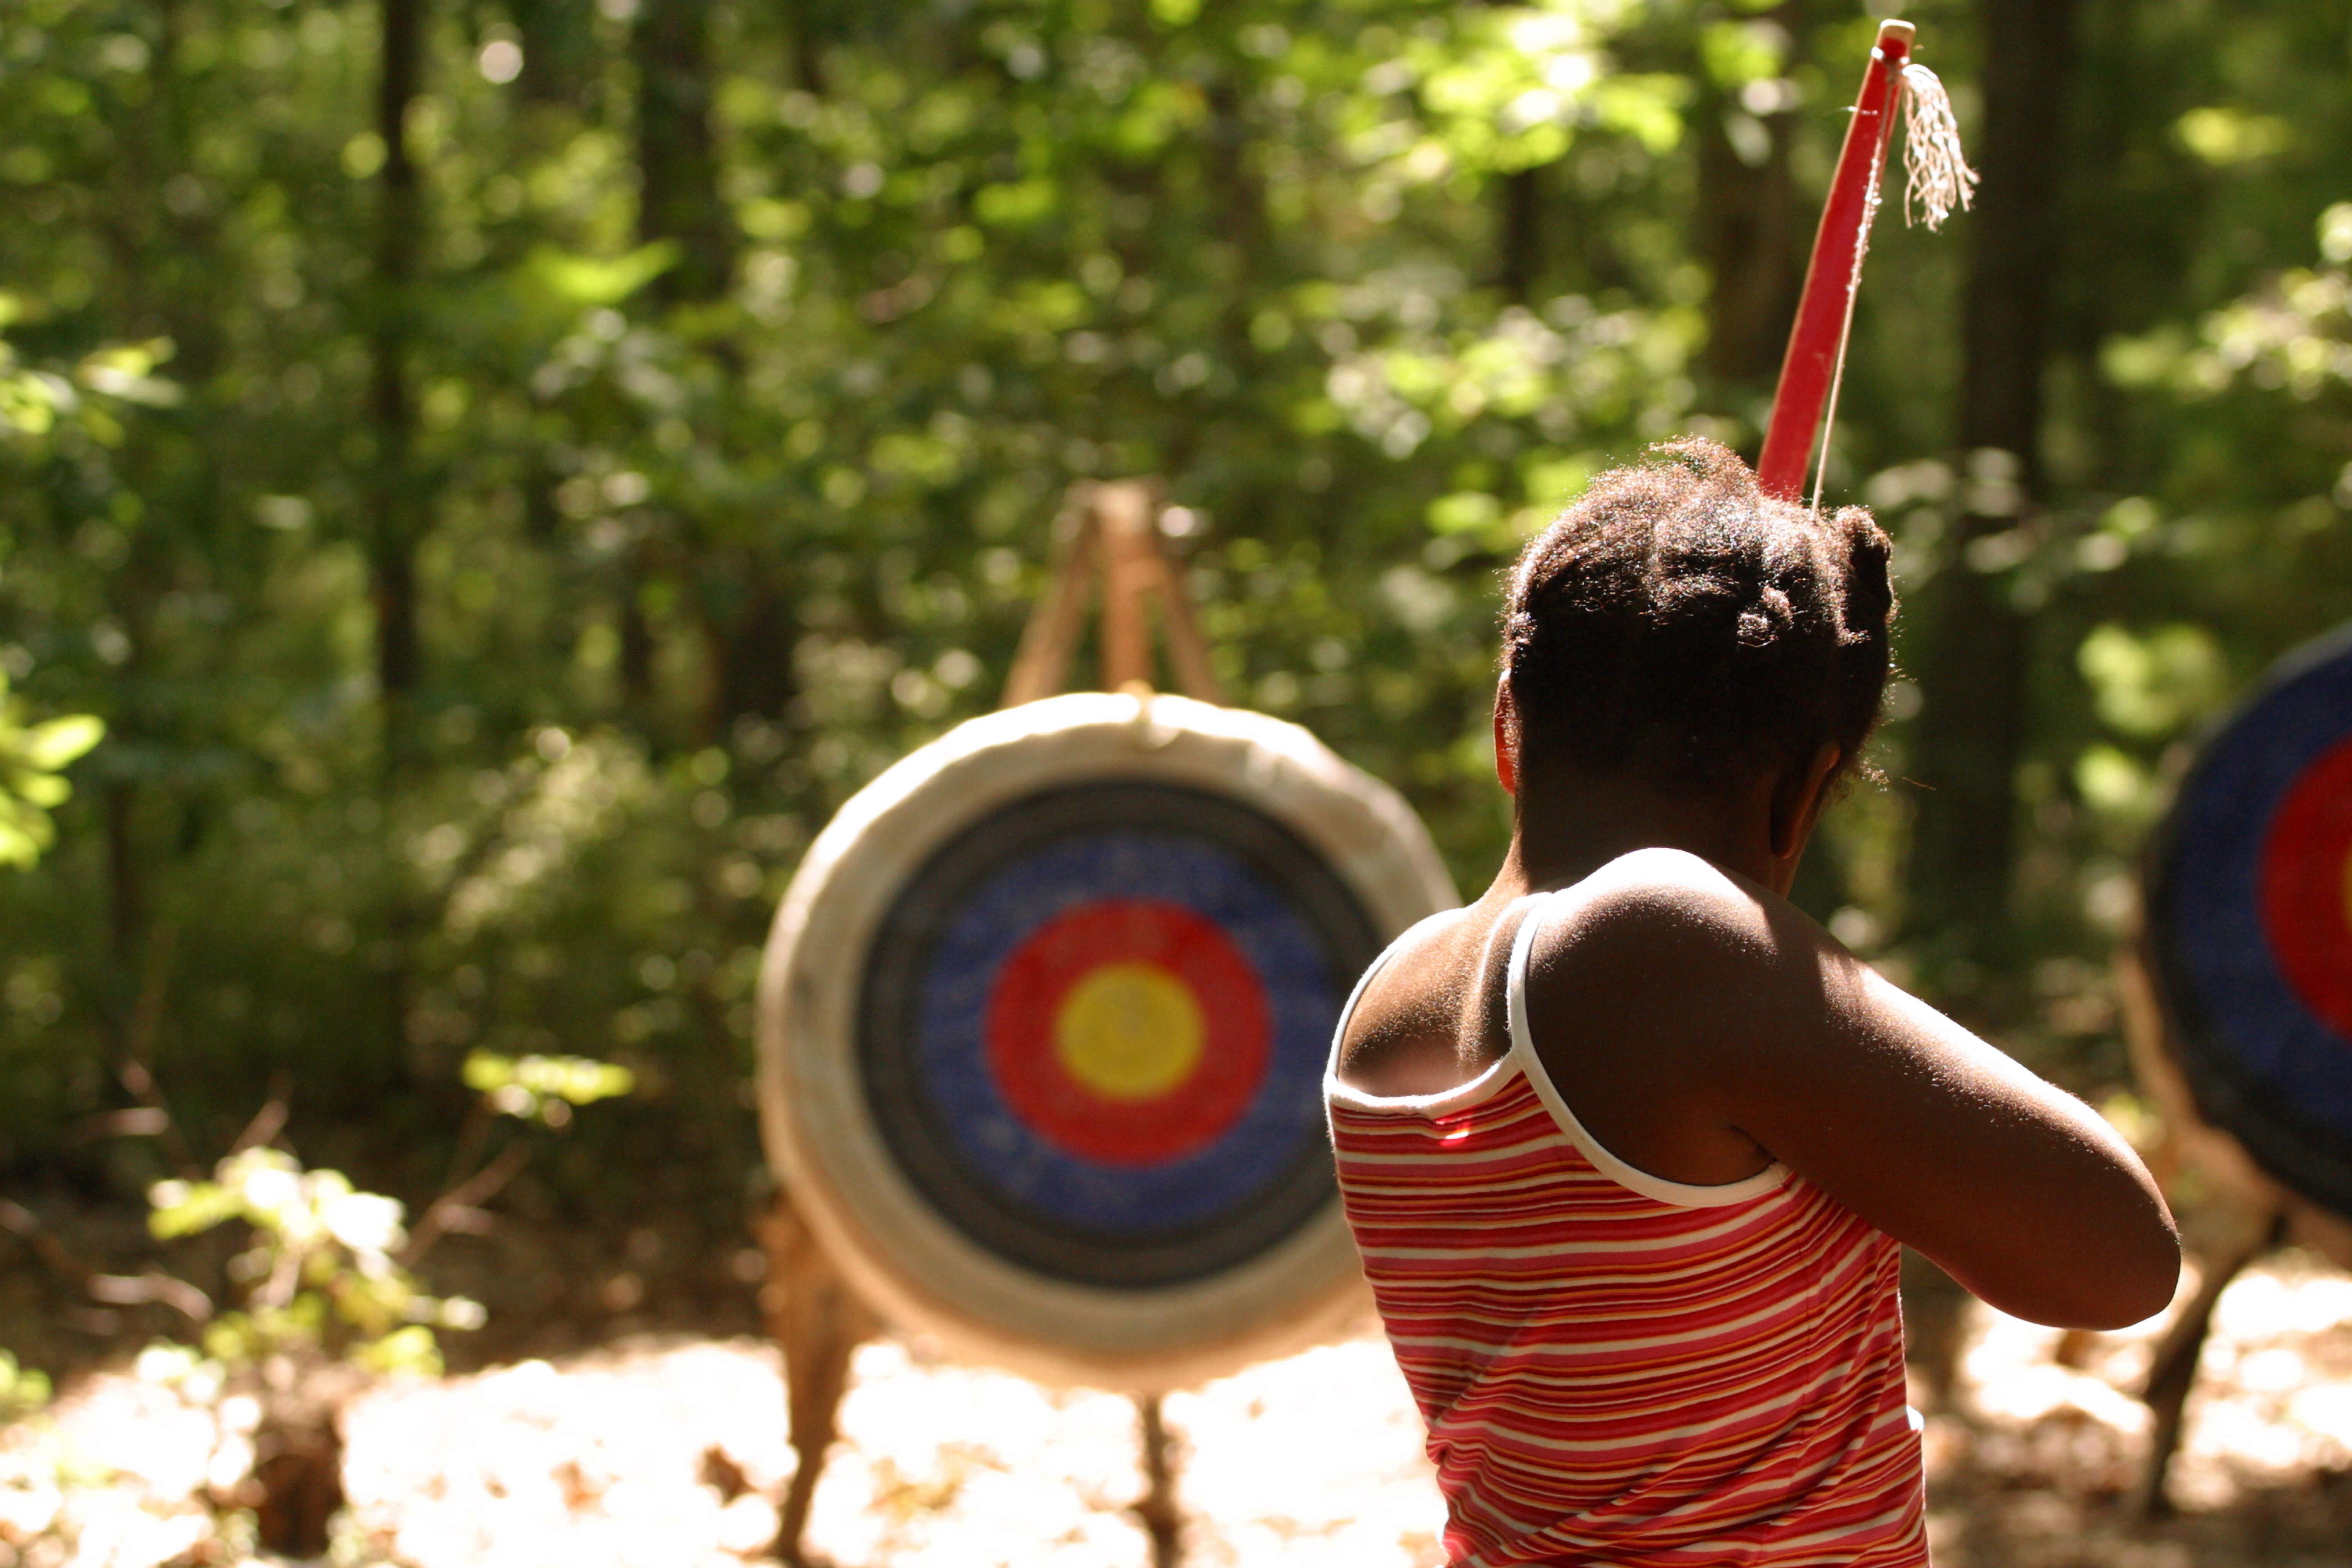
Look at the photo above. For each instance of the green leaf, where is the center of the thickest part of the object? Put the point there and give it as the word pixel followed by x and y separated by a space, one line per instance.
pixel 52 745
pixel 1015 205
pixel 487 1070
pixel 412 1349
pixel 1646 108
pixel 599 280
pixel 580 1080
pixel 1462 511
pixel 185 1208
pixel 2225 137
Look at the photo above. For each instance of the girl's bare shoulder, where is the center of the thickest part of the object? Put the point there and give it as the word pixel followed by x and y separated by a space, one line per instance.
pixel 1426 959
pixel 1661 893
pixel 1700 965
pixel 1404 1035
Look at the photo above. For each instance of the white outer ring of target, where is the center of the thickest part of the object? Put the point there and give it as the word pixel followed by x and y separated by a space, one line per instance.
pixel 899 1252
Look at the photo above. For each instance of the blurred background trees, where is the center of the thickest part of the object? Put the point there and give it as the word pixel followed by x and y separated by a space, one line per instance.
pixel 503 473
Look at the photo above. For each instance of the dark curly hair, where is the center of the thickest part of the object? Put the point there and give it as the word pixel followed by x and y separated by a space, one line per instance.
pixel 1678 621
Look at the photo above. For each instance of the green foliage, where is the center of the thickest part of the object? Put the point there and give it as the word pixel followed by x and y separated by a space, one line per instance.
pixel 2153 686
pixel 544 1088
pixel 713 519
pixel 593 280
pixel 22 1389
pixel 33 757
pixel 320 1277
pixel 33 399
pixel 698 567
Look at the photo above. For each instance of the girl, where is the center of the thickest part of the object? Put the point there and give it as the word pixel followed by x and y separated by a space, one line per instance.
pixel 1629 1144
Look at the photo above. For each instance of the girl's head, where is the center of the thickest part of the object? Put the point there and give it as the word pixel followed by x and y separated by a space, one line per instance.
pixel 1677 622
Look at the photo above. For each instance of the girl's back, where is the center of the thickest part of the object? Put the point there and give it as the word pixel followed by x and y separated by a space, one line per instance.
pixel 1717 1378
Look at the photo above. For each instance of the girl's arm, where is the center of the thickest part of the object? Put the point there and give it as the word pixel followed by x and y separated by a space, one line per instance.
pixel 1773 1028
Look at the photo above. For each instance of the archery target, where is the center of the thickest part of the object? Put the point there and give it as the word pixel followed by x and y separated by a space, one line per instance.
pixel 2250 925
pixel 1095 1028
pixel 1044 1020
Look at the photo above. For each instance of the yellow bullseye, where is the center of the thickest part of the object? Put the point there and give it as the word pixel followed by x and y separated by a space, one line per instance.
pixel 1129 1031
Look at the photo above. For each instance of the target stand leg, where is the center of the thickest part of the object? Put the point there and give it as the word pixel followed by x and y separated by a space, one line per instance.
pixel 818 1322
pixel 1157 1509
pixel 2172 1371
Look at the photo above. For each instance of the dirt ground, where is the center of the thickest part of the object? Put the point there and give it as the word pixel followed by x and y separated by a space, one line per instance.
pixel 667 1451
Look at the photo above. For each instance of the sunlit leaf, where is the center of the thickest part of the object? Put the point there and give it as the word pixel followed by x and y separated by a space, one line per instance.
pixel 599 280
pixel 54 744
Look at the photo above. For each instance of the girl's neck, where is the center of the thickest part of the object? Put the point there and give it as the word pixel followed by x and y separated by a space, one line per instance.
pixel 1566 827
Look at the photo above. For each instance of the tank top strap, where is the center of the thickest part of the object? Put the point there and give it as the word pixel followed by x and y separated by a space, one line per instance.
pixel 1683 1194
pixel 1514 1000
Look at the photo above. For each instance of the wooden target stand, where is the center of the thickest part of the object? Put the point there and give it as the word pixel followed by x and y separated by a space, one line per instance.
pixel 2255 1214
pixel 1108 531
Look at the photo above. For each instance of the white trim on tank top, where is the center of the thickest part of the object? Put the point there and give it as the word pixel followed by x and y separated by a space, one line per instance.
pixel 1522 1059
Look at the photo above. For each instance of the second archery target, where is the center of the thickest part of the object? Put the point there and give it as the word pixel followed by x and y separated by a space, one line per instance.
pixel 1045 1019
pixel 2250 925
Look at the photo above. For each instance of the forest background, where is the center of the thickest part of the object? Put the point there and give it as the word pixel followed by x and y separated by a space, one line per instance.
pixel 503 473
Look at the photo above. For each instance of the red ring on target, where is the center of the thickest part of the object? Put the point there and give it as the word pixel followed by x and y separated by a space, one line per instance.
pixel 1128 1031
pixel 2306 887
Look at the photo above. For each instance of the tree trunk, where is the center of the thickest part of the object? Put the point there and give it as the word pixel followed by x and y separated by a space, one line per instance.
pixel 808 53
pixel 127 893
pixel 558 49
pixel 637 651
pixel 677 165
pixel 1519 249
pixel 1749 238
pixel 396 512
pixel 1520 238
pixel 1241 199
pixel 1970 735
pixel 754 649
pixel 748 621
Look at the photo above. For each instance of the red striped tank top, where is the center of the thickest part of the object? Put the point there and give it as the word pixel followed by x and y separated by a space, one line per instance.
pixel 1618 1370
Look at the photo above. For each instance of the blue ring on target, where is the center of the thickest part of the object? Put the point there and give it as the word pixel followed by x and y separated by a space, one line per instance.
pixel 1094 1029
pixel 2250 924
pixel 1024 1159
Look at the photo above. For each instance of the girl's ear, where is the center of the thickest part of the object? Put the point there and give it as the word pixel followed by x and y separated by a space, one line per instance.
pixel 1506 739
pixel 1798 799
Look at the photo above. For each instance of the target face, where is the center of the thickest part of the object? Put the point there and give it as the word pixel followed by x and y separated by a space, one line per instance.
pixel 1043 1023
pixel 1094 1029
pixel 2251 919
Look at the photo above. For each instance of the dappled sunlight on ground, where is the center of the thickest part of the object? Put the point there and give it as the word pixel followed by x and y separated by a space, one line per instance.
pixel 627 1458
pixel 2035 1466
pixel 604 1462
pixel 669 1453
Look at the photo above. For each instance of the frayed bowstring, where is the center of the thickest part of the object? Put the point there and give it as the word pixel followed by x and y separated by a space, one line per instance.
pixel 1871 200
pixel 1938 178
